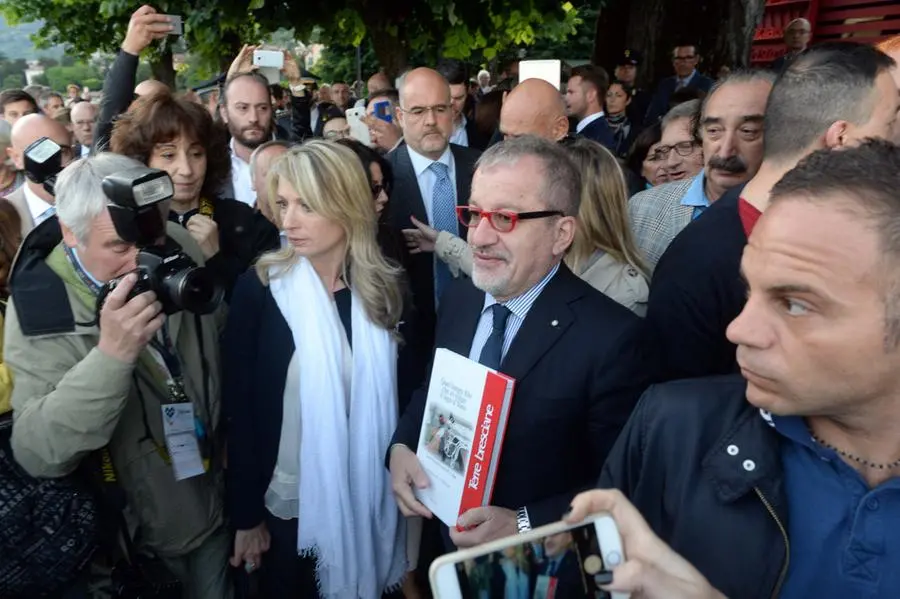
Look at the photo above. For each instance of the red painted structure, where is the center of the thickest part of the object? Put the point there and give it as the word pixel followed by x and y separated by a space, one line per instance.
pixel 867 21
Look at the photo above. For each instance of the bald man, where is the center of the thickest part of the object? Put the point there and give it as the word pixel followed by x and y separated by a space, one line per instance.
pixel 149 87
pixel 534 107
pixel 796 40
pixel 376 84
pixel 84 118
pixel 34 203
pixel 431 178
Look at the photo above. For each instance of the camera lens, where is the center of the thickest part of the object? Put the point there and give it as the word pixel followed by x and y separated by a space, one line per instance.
pixel 194 289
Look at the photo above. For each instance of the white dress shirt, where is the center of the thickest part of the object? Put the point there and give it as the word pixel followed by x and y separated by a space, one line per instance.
pixel 588 120
pixel 460 136
pixel 39 209
pixel 426 177
pixel 85 151
pixel 240 179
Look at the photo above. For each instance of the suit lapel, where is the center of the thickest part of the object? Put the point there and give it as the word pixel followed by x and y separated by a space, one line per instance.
pixel 546 322
pixel 407 186
pixel 464 172
pixel 459 338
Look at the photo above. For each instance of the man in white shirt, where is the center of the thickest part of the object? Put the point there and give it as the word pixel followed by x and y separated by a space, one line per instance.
pixel 84 117
pixel 464 131
pixel 247 110
pixel 34 203
pixel 585 94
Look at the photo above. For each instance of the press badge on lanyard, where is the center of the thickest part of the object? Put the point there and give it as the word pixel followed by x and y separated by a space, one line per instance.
pixel 180 425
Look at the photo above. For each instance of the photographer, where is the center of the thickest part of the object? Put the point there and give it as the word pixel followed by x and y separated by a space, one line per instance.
pixel 179 137
pixel 85 380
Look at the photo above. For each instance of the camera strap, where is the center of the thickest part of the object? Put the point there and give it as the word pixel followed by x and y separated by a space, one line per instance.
pixel 89 281
pixel 164 353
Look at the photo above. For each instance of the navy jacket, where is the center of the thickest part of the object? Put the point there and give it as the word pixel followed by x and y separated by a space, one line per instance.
pixel 579 369
pixel 697 291
pixel 659 106
pixel 257 348
pixel 704 468
pixel 600 132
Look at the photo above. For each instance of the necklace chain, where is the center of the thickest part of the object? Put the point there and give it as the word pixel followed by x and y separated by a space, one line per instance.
pixel 857 459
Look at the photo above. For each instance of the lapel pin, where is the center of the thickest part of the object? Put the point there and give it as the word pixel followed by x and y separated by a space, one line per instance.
pixel 554 323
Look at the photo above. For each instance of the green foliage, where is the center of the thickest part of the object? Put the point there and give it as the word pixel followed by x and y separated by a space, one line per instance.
pixel 14 82
pixel 80 74
pixel 338 63
pixel 40 80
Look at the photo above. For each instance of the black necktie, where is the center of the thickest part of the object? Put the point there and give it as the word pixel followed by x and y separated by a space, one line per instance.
pixel 492 352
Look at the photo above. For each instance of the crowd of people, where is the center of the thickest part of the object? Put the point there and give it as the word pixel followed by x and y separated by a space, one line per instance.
pixel 694 289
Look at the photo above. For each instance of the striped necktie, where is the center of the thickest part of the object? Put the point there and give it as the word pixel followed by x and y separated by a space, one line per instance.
pixel 443 217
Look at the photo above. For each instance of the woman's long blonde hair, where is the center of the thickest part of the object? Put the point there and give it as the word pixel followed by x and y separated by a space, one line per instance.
pixel 330 179
pixel 603 217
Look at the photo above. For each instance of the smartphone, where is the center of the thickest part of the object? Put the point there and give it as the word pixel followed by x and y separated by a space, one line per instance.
pixel 177 24
pixel 557 561
pixel 358 128
pixel 548 70
pixel 383 111
pixel 268 58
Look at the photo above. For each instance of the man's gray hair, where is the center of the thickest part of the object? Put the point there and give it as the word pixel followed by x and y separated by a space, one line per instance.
pixel 79 190
pixel 45 98
pixel 561 188
pixel 831 82
pixel 279 143
pixel 686 110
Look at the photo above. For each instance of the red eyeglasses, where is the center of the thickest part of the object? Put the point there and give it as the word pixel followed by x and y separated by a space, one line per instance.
pixel 503 221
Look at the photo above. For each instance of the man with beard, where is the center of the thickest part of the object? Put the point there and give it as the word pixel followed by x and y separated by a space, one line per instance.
pixel 697 288
pixel 731 124
pixel 247 111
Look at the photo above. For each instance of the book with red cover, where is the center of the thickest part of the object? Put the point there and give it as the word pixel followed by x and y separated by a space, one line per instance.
pixel 462 434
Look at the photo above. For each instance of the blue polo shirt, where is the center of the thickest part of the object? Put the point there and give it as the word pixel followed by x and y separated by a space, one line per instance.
pixel 844 536
pixel 696 196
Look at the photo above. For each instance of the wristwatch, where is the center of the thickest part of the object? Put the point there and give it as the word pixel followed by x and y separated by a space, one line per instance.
pixel 523 521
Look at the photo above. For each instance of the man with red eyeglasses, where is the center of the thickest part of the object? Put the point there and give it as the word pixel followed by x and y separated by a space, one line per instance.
pixel 575 354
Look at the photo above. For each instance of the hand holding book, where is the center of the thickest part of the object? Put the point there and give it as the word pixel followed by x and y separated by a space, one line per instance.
pixel 406 473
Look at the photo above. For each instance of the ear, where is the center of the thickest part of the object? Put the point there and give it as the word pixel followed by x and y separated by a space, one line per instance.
pixel 399 116
pixel 565 235
pixel 224 114
pixel 560 128
pixel 17 158
pixel 837 135
pixel 68 236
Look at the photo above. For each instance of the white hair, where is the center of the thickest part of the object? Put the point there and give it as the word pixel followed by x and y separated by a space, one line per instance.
pixel 79 190
pixel 482 72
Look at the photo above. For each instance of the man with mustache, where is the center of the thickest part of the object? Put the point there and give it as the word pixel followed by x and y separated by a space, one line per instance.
pixel 783 482
pixel 697 288
pixel 730 128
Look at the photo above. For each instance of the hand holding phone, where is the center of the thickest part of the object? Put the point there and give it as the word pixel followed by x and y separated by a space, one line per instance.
pixel 649 566
pixel 268 59
pixel 145 26
pixel 383 111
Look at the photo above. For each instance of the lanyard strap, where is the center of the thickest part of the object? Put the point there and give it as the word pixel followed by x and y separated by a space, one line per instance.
pixel 79 270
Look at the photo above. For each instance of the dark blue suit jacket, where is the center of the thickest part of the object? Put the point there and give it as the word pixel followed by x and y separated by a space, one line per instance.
pixel 579 369
pixel 600 132
pixel 660 104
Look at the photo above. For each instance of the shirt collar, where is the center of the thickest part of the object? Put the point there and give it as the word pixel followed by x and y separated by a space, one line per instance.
pixel 588 120
pixel 421 163
pixel 687 79
pixel 80 266
pixel 521 304
pixel 36 205
pixel 696 194
pixel 794 429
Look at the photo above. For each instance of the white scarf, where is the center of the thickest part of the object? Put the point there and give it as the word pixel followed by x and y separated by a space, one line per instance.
pixel 348 519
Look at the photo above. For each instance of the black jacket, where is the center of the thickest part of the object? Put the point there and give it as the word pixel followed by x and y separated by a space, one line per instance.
pixel 600 132
pixel 579 368
pixel 244 234
pixel 704 468
pixel 697 291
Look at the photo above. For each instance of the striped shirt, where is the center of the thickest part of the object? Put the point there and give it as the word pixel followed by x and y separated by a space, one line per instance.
pixel 518 306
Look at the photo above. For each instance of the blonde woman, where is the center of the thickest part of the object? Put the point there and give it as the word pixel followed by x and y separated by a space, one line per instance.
pixel 603 254
pixel 310 354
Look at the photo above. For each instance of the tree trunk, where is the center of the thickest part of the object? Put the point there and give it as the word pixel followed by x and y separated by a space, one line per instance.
pixel 723 30
pixel 163 69
pixel 391 51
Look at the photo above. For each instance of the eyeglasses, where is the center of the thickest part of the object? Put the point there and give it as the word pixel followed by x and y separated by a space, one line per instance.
pixel 377 188
pixel 419 111
pixel 338 134
pixel 503 221
pixel 682 148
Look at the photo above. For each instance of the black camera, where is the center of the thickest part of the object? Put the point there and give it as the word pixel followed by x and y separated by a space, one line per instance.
pixel 43 161
pixel 138 213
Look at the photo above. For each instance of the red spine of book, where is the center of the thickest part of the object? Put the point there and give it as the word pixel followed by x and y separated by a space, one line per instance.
pixel 474 493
